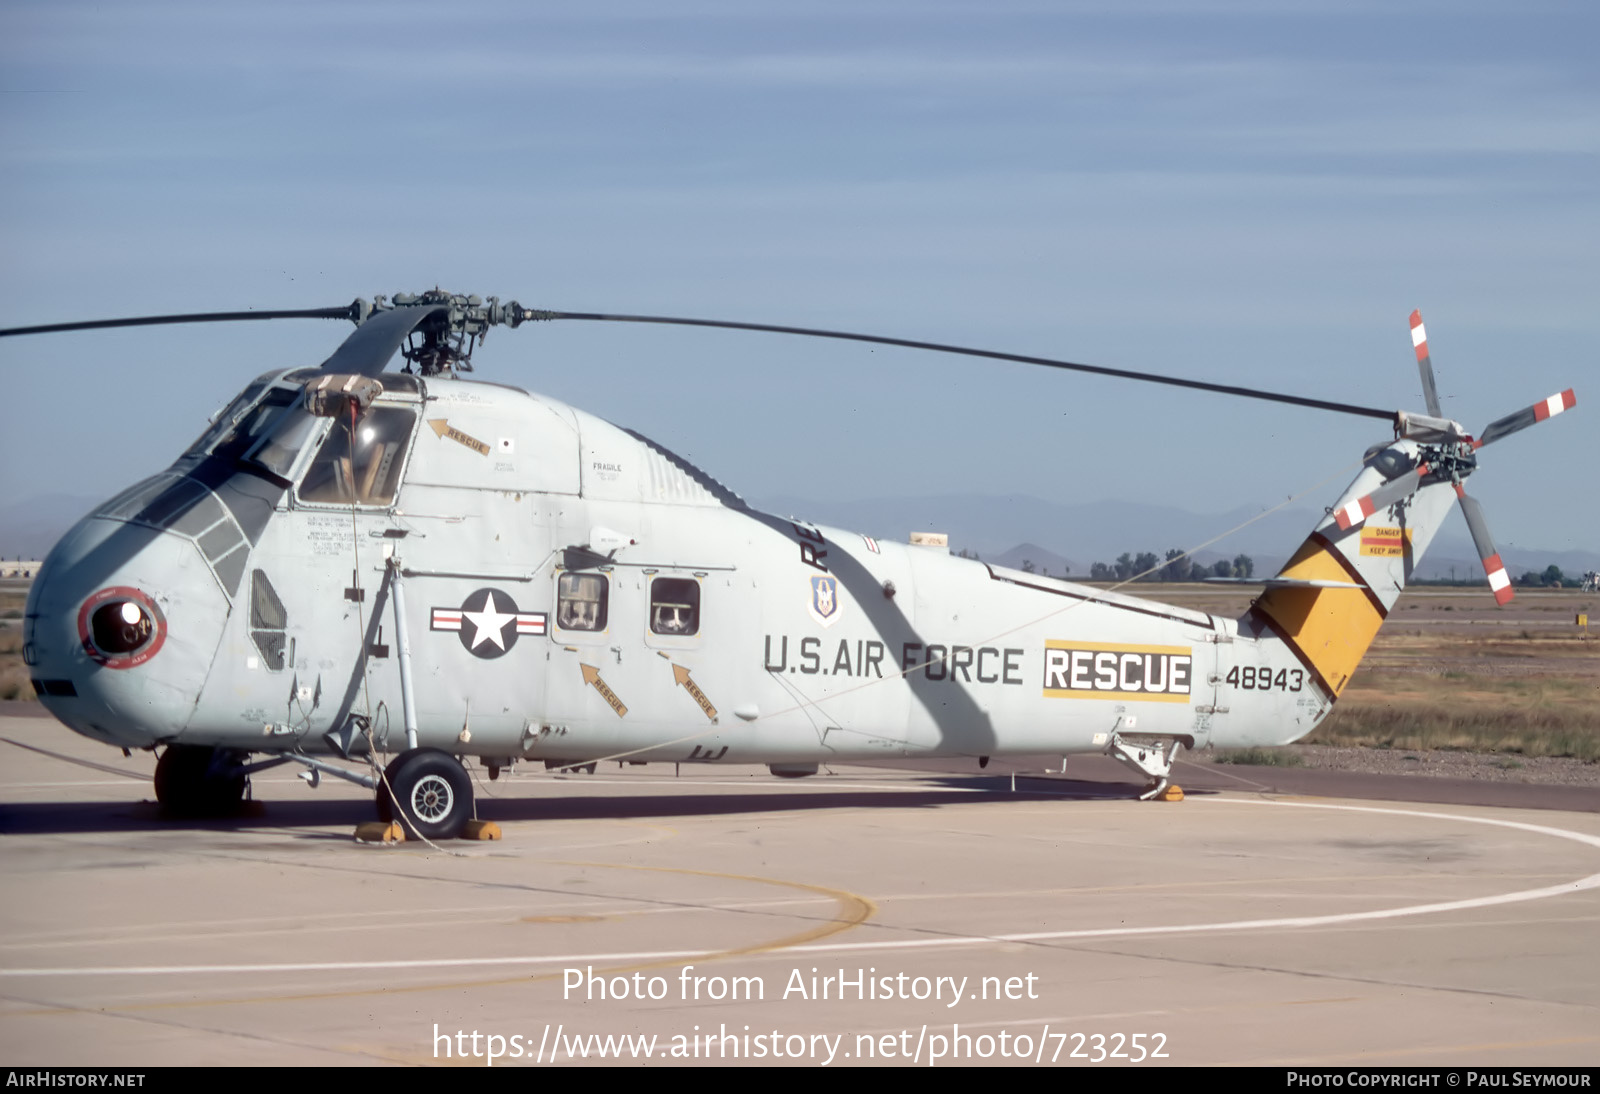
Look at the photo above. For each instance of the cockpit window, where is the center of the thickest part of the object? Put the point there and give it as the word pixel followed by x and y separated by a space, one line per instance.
pixel 242 424
pixel 360 467
pixel 281 446
pixel 226 417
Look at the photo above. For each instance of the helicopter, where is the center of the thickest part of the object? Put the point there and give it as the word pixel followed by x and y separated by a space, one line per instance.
pixel 377 573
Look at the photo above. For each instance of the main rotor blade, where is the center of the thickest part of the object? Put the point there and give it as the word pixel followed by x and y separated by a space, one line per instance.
pixel 348 311
pixel 367 351
pixel 1493 568
pixel 1419 341
pixel 1522 419
pixel 1401 486
pixel 937 347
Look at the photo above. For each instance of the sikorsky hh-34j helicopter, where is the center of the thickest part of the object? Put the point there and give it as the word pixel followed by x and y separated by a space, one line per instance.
pixel 353 562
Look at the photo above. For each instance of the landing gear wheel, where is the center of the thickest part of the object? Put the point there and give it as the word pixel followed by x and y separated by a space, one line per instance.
pixel 199 781
pixel 383 800
pixel 433 790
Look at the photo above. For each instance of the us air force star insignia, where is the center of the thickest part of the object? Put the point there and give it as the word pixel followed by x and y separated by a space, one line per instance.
pixel 488 622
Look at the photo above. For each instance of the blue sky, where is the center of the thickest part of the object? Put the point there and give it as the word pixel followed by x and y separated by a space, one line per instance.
pixel 1247 192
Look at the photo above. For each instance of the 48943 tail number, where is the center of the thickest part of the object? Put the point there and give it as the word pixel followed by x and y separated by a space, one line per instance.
pixel 1251 678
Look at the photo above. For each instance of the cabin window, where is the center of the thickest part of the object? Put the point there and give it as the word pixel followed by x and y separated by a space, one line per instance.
pixel 267 620
pixel 675 606
pixel 581 601
pixel 360 466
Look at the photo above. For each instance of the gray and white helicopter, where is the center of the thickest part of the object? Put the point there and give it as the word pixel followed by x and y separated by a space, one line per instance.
pixel 354 563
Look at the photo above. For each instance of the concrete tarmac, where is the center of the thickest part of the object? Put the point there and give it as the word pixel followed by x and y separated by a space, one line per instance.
pixel 724 916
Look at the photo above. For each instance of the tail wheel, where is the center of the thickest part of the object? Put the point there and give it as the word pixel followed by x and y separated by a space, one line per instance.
pixel 433 791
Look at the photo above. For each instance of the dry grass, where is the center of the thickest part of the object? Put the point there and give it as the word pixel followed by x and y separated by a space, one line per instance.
pixel 13 673
pixel 1258 757
pixel 1551 713
pixel 1454 670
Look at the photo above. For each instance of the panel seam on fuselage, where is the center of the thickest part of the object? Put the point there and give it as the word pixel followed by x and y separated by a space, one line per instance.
pixel 1209 619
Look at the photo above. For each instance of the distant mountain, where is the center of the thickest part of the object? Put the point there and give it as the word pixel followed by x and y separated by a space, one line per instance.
pixel 1042 561
pixel 1454 556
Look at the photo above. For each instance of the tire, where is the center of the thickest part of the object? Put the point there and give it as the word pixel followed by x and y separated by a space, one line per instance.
pixel 434 793
pixel 384 803
pixel 199 781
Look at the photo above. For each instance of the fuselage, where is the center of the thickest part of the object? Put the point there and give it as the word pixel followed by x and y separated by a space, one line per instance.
pixel 574 592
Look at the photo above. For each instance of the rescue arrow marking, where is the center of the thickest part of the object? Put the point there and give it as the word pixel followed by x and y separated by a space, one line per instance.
pixel 441 427
pixel 681 675
pixel 591 675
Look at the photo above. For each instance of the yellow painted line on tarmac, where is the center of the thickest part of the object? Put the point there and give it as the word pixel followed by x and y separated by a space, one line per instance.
pixel 853 910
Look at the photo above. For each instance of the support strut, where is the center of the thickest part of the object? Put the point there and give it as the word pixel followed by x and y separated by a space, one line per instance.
pixel 319 767
pixel 1150 757
pixel 408 704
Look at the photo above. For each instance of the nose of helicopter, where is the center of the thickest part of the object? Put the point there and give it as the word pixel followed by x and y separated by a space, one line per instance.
pixel 120 628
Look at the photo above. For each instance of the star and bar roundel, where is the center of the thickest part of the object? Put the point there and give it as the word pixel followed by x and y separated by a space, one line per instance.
pixel 488 622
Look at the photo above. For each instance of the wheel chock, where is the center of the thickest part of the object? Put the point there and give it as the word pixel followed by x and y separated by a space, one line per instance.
pixel 481 829
pixel 1173 793
pixel 380 832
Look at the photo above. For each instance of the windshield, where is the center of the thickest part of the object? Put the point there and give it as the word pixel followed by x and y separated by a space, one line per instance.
pixel 280 447
pixel 224 419
pixel 360 467
pixel 242 424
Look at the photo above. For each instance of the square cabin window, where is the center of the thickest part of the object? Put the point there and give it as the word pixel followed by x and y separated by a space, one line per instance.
pixel 581 602
pixel 675 606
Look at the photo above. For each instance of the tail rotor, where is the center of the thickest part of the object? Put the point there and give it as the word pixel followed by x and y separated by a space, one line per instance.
pixel 1450 455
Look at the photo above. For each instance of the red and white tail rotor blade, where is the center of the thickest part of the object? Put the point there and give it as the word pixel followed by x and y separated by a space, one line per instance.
pixel 1403 486
pixel 1419 340
pixel 1493 568
pixel 1533 415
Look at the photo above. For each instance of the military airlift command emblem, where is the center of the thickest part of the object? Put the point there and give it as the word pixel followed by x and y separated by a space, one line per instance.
pixel 824 605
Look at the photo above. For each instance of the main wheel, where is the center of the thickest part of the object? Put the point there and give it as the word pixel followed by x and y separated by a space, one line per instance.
pixel 383 800
pixel 199 781
pixel 433 790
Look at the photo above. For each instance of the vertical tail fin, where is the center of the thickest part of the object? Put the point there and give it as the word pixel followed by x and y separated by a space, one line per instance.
pixel 1330 629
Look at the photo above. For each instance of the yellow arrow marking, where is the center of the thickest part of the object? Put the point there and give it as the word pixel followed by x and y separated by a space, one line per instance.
pixel 591 675
pixel 681 675
pixel 441 427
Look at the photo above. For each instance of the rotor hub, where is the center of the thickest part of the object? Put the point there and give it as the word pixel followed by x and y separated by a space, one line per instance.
pixel 442 344
pixel 1451 462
